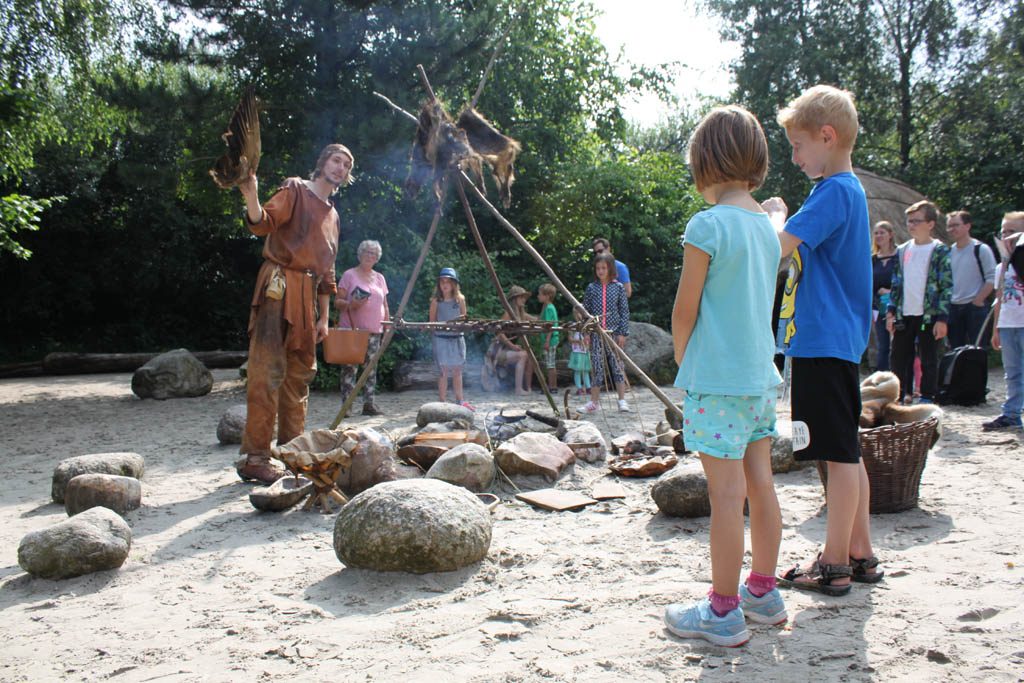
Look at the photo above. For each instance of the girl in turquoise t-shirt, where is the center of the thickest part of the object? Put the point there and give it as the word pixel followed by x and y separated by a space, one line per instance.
pixel 721 329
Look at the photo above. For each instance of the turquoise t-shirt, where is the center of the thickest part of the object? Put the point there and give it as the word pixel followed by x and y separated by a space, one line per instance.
pixel 732 347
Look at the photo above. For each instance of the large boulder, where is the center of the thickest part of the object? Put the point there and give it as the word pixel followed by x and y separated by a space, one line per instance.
pixel 418 526
pixel 586 441
pixel 373 462
pixel 175 374
pixel 124 464
pixel 95 540
pixel 111 491
pixel 533 453
pixel 469 465
pixel 232 424
pixel 444 412
pixel 683 492
pixel 650 347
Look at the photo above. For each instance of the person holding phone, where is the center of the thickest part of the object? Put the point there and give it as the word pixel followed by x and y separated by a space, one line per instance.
pixel 362 302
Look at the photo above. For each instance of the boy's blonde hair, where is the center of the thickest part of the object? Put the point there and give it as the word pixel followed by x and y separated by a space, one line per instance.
pixel 548 290
pixel 823 105
pixel 1013 216
pixel 728 145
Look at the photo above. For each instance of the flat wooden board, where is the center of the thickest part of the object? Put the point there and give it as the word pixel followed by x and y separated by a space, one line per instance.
pixel 553 499
pixel 606 490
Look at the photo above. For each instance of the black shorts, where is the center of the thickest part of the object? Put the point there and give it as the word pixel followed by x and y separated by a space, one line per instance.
pixel 826 397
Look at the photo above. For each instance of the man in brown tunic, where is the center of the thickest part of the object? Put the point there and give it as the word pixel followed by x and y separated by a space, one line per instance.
pixel 294 284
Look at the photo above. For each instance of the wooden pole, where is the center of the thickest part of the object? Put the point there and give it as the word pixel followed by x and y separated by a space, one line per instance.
pixel 523 342
pixel 371 366
pixel 490 65
pixel 655 389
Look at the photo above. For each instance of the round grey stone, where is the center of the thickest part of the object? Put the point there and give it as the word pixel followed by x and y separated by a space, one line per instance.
pixel 95 540
pixel 417 525
pixel 683 492
pixel 111 491
pixel 469 465
pixel 123 464
pixel 444 412
pixel 175 374
pixel 232 424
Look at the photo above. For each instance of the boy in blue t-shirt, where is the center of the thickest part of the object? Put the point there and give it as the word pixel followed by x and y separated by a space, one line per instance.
pixel 825 319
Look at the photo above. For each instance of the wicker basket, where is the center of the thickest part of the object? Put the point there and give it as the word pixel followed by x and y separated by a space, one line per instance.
pixel 894 457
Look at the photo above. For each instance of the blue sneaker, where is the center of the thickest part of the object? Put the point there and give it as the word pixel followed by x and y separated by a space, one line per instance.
pixel 698 621
pixel 767 609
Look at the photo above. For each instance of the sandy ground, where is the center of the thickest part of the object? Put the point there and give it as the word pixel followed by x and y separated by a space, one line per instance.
pixel 213 590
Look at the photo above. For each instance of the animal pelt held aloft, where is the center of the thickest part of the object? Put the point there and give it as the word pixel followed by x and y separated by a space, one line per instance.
pixel 243 140
pixel 439 147
pixel 499 151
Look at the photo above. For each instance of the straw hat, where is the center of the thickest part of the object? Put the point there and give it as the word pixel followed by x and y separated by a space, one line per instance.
pixel 514 291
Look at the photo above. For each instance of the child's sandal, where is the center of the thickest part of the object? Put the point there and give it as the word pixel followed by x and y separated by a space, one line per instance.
pixel 866 570
pixel 818 578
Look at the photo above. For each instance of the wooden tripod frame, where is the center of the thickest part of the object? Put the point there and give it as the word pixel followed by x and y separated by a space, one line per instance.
pixel 463 181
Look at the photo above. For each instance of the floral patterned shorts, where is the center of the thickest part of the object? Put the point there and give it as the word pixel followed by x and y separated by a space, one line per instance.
pixel 722 426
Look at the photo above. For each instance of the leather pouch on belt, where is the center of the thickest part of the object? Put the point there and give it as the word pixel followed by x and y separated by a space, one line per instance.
pixel 275 287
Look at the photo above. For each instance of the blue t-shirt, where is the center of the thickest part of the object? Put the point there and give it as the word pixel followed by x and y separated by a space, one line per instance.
pixel 621 272
pixel 826 307
pixel 732 347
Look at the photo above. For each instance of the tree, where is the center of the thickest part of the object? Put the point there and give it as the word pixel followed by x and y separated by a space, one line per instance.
pixel 969 154
pixel 51 55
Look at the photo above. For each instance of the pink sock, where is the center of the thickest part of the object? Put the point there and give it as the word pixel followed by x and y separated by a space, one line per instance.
pixel 723 604
pixel 759 584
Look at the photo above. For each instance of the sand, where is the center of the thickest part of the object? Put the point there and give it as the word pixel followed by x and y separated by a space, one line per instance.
pixel 214 591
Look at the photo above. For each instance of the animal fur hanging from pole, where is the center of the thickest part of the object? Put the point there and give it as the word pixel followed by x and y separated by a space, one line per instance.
pixel 243 140
pixel 442 145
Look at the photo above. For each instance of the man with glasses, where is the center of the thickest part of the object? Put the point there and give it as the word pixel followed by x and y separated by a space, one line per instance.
pixel 1008 328
pixel 918 311
pixel 974 268
pixel 601 246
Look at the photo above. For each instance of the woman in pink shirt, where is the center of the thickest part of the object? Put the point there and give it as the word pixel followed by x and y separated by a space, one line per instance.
pixel 362 301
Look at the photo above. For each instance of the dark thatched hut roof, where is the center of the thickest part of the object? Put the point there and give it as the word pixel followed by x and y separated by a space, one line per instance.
pixel 888 198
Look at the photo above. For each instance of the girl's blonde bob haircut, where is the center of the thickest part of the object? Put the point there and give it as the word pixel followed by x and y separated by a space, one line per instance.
pixel 728 145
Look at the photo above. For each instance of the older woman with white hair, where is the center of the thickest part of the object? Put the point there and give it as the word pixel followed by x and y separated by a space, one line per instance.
pixel 362 301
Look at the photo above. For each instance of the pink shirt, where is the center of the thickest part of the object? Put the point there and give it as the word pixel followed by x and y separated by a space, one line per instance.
pixel 370 315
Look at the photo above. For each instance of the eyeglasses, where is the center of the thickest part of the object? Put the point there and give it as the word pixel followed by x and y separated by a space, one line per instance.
pixel 915 221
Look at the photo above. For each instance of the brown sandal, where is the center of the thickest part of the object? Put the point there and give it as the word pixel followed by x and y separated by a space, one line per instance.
pixel 866 570
pixel 818 578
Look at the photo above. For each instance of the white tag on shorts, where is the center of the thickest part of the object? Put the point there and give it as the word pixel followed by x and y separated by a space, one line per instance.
pixel 801 436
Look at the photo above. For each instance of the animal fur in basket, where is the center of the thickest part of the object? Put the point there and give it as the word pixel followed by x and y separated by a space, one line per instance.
pixel 894 457
pixel 879 394
pixel 317 451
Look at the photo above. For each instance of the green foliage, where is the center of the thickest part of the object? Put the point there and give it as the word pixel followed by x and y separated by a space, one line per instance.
pixel 969 154
pixel 932 89
pixel 20 213
pixel 640 202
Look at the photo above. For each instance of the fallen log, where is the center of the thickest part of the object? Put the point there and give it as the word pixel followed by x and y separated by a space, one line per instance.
pixel 32 369
pixel 62 363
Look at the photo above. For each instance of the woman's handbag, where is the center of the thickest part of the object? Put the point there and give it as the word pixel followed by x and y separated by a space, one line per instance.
pixel 346 346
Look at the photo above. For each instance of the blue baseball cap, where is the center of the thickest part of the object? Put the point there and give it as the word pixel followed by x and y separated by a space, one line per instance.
pixel 449 273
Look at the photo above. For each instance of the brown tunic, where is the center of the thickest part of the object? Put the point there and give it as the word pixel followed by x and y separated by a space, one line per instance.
pixel 302 237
